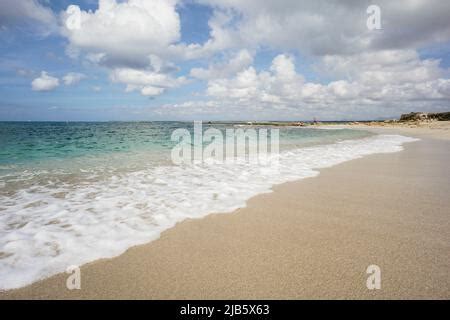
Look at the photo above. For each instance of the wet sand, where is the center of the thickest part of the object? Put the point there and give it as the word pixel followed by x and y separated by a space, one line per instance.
pixel 312 238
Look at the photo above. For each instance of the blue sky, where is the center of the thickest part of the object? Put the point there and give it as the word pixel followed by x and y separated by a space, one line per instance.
pixel 229 60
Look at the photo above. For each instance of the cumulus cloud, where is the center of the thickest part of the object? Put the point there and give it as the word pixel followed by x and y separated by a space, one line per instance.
pixel 240 61
pixel 73 78
pixel 123 33
pixel 149 83
pixel 384 75
pixel 222 36
pixel 324 27
pixel 45 82
pixel 129 38
pixel 272 86
pixel 392 80
pixel 26 12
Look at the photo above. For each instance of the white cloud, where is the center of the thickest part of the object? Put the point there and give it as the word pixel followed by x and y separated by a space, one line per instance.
pixel 148 82
pixel 129 38
pixel 73 78
pixel 272 86
pixel 319 27
pixel 364 84
pixel 382 67
pixel 324 27
pixel 240 61
pixel 151 91
pixel 45 82
pixel 19 12
pixel 123 33
pixel 221 38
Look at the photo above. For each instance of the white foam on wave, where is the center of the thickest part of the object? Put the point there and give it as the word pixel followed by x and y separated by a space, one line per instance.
pixel 43 230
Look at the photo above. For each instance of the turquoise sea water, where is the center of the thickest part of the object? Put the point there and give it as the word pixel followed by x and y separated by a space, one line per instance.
pixel 41 152
pixel 71 193
pixel 34 143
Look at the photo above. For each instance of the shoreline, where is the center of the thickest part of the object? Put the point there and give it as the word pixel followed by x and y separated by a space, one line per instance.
pixel 179 254
pixel 435 129
pixel 426 128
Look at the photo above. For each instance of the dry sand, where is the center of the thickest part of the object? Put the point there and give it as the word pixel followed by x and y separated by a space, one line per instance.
pixel 430 129
pixel 308 239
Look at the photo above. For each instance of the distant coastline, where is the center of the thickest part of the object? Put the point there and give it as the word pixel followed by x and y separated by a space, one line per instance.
pixel 407 118
pixel 413 118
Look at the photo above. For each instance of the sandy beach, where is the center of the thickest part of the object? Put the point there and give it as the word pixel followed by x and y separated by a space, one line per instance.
pixel 421 129
pixel 313 238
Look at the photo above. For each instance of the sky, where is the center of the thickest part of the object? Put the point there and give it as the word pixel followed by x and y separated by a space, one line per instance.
pixel 117 60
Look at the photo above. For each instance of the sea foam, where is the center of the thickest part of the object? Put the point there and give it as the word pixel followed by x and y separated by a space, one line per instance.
pixel 44 230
